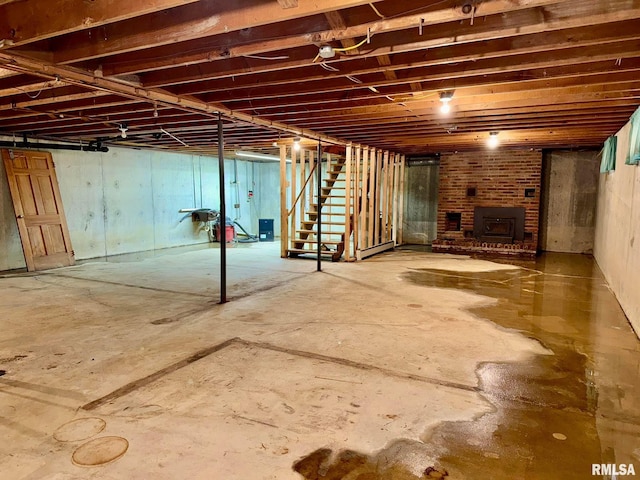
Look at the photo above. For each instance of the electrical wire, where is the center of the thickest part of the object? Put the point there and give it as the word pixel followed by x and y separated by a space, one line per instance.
pixel 174 137
pixel 261 57
pixel 29 95
pixel 347 49
pixel 376 10
pixel 328 67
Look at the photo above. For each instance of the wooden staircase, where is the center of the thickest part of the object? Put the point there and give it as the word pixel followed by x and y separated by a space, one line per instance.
pixel 332 211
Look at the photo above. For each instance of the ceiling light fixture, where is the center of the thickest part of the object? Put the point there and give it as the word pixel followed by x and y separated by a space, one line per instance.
pixel 445 99
pixel 296 144
pixel 327 51
pixel 493 141
pixel 123 127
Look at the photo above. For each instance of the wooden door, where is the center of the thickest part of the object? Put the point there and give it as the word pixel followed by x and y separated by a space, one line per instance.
pixel 38 206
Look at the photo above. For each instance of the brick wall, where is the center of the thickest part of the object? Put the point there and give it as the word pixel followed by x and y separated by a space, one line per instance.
pixel 499 177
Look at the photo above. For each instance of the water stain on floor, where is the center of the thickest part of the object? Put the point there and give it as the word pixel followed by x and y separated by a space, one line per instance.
pixel 545 423
pixel 324 464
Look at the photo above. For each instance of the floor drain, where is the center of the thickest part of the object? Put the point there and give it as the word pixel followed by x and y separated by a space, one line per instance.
pixel 79 429
pixel 100 451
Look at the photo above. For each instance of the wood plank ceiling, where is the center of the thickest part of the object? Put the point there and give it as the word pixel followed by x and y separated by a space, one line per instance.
pixel 542 73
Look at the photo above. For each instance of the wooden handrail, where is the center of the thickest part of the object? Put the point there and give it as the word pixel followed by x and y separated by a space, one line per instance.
pixel 293 206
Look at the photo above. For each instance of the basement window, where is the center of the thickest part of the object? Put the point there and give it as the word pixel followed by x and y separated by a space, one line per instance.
pixel 453 221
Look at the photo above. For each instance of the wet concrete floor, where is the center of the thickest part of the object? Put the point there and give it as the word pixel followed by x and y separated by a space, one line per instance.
pixel 407 366
pixel 563 302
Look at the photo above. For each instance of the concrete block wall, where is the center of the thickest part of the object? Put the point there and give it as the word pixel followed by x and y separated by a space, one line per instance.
pixel 127 200
pixel 500 178
pixel 617 237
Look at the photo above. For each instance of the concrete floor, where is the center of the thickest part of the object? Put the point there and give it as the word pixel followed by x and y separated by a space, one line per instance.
pixel 409 365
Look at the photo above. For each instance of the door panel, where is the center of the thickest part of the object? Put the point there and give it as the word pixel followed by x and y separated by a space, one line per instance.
pixel 38 207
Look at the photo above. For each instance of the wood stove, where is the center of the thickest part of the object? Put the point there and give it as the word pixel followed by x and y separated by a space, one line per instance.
pixel 498 224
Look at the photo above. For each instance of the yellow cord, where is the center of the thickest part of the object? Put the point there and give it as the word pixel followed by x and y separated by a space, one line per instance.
pixel 346 49
pixel 358 45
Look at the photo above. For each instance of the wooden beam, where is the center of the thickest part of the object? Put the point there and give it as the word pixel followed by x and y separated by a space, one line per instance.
pixel 357 196
pixel 382 45
pixel 363 198
pixel 378 197
pixel 30 88
pixel 491 28
pixel 388 194
pixel 444 15
pixel 203 19
pixel 53 100
pixel 27 22
pixel 372 196
pixel 449 76
pixel 384 193
pixel 4 73
pixel 513 50
pixel 79 77
pixel 348 192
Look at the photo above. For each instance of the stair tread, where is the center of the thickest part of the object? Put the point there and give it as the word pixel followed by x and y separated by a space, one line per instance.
pixel 306 240
pixel 326 213
pixel 314 222
pixel 324 232
pixel 312 252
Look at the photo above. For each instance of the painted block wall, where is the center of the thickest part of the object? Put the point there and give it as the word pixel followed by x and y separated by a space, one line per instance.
pixel 617 238
pixel 569 198
pixel 127 200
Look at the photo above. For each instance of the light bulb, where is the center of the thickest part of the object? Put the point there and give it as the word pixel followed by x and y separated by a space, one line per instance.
pixel 493 141
pixel 445 108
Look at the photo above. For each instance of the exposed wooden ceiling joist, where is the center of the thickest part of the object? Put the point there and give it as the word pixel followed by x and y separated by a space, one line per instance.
pixel 30 21
pixel 198 20
pixel 554 71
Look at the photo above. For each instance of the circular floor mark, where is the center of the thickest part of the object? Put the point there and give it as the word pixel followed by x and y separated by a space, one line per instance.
pixel 79 429
pixel 100 451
